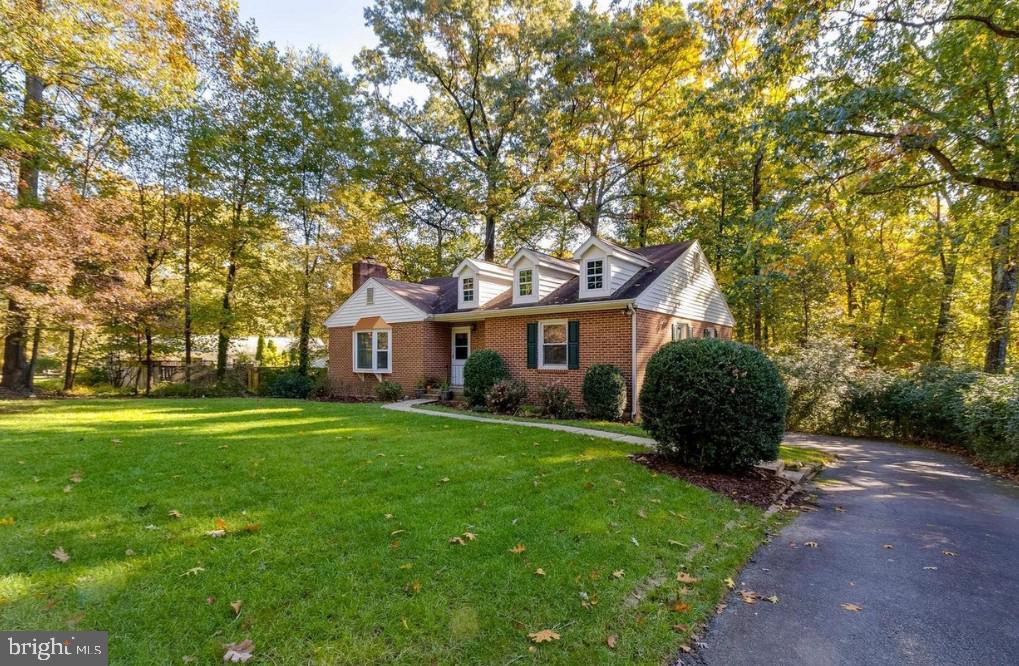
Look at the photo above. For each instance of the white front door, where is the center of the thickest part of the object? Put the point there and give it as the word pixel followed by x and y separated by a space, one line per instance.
pixel 461 345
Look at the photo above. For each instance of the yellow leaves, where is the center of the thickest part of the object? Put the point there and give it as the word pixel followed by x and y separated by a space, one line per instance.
pixel 684 577
pixel 539 572
pixel 853 608
pixel 517 549
pixel 748 597
pixel 236 607
pixel 470 536
pixel 543 636
pixel 462 540
pixel 730 583
pixel 412 587
pixel 407 565
pixel 193 571
pixel 7 521
pixel 395 532
pixel 60 555
pixel 618 573
pixel 388 516
pixel 239 652
pixel 458 541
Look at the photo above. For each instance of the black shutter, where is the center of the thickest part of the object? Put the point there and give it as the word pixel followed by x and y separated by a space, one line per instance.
pixel 573 345
pixel 532 344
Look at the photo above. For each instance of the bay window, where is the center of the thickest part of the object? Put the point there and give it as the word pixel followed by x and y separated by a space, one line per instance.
pixel 372 350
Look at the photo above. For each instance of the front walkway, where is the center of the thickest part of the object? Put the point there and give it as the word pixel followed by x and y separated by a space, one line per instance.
pixel 409 406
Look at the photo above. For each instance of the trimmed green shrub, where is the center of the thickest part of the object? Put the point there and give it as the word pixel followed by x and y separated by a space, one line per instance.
pixel 992 419
pixel 604 391
pixel 290 384
pixel 714 404
pixel 483 369
pixel 388 391
pixel 554 400
pixel 506 396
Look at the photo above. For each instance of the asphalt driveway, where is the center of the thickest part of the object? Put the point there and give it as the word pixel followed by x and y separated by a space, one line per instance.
pixel 924 544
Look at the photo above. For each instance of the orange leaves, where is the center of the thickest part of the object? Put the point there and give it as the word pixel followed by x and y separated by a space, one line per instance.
pixel 517 549
pixel 543 636
pixel 684 577
pixel 680 607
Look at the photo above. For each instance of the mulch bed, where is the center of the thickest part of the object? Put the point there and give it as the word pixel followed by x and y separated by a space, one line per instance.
pixel 755 486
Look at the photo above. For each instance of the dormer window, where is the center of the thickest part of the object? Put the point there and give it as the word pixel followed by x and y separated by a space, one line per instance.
pixel 369 296
pixel 596 274
pixel 468 290
pixel 526 281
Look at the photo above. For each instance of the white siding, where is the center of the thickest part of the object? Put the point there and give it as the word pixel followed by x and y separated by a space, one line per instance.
pixel 490 289
pixel 679 292
pixel 551 280
pixel 387 305
pixel 621 272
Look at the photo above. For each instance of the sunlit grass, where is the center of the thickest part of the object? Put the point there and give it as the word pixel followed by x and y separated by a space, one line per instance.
pixel 323 575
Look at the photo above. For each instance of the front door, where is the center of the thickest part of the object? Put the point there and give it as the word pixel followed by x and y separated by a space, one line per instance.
pixel 461 345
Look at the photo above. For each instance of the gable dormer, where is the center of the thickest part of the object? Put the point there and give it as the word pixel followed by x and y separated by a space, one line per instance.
pixel 478 282
pixel 605 267
pixel 536 275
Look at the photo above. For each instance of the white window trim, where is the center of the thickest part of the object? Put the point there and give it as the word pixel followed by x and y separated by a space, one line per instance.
pixel 464 289
pixel 681 331
pixel 369 296
pixel 534 285
pixel 541 345
pixel 604 274
pixel 374 369
pixel 709 332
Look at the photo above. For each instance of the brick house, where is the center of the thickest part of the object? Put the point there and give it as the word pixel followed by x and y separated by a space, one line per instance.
pixel 549 318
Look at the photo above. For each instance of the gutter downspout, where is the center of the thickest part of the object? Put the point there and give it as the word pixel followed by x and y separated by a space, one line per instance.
pixel 633 362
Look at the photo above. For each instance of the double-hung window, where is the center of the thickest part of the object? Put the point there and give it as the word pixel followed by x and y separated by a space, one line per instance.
pixel 468 289
pixel 595 274
pixel 372 350
pixel 552 338
pixel 526 281
pixel 709 333
pixel 680 331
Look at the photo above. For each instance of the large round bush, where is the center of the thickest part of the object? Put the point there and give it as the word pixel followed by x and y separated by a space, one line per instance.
pixel 290 385
pixel 483 369
pixel 714 404
pixel 604 391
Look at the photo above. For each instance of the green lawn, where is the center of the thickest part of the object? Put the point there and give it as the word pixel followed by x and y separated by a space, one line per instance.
pixel 338 524
pixel 789 454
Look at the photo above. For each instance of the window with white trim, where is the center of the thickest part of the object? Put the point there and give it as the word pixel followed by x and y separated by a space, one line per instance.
pixel 595 274
pixel 525 280
pixel 373 350
pixel 552 339
pixel 468 289
pixel 709 333
pixel 680 331
pixel 369 296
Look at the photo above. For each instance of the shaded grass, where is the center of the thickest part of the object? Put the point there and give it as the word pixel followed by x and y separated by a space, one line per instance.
pixel 323 575
pixel 789 454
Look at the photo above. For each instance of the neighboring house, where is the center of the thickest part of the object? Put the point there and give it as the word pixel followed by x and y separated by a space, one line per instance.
pixel 549 318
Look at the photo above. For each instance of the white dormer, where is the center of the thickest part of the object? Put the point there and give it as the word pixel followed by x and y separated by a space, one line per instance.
pixel 605 267
pixel 536 275
pixel 478 282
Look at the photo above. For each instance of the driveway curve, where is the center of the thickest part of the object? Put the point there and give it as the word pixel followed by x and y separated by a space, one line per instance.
pixel 925 546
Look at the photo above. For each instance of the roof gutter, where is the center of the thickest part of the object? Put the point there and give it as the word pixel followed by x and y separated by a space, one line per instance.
pixel 473 315
pixel 634 393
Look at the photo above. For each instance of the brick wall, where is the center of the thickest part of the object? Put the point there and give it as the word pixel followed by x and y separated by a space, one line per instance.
pixel 420 349
pixel 604 338
pixel 654 330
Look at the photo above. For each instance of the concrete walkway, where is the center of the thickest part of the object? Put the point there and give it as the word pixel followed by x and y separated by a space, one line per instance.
pixel 923 545
pixel 410 406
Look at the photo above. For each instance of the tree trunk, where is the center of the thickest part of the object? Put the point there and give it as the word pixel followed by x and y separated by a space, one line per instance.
pixel 30 370
pixel 148 360
pixel 69 362
pixel 1004 279
pixel 303 361
pixel 187 293
pixel 224 322
pixel 755 207
pixel 489 236
pixel 944 311
pixel 14 349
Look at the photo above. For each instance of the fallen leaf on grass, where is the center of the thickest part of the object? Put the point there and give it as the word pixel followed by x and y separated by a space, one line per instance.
pixel 618 573
pixel 730 583
pixel 470 536
pixel 395 532
pixel 407 565
pixel 6 521
pixel 174 513
pixel 517 549
pixel 684 577
pixel 76 477
pixel 412 587
pixel 252 527
pixel 611 641
pixel 634 541
pixel 852 607
pixel 641 513
pixel 458 541
pixel 543 636
pixel 679 628
pixel 684 648
pixel 60 555
pixel 239 652
pixel 220 524
pixel 210 600
pixel 444 479
pixel 539 572
pixel 388 516
pixel 67 488
pixel 680 607
pixel 215 534
pixel 193 571
pixel 236 606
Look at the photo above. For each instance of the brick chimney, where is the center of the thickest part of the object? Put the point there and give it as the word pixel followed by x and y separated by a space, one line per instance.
pixel 367 268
